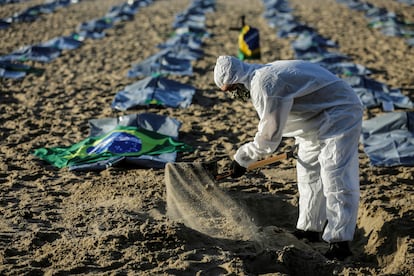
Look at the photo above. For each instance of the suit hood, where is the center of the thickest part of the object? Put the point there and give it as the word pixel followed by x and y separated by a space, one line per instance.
pixel 230 70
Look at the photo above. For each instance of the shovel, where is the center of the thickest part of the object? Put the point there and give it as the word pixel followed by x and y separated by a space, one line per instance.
pixel 194 199
pixel 258 164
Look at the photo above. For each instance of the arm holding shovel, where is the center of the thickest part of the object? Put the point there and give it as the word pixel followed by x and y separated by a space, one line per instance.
pixel 236 170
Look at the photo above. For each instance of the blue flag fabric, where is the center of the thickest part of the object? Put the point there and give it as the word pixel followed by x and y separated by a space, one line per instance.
pixel 163 63
pixel 389 139
pixel 154 91
pixel 376 94
pixel 34 53
pixel 150 121
pixel 14 70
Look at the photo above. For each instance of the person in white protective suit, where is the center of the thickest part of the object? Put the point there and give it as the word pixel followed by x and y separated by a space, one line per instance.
pixel 300 99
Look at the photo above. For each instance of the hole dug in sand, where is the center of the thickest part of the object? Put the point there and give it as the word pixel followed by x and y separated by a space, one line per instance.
pixel 196 201
pixel 381 243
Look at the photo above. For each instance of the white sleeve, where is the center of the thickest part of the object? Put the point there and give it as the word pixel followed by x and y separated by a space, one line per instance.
pixel 273 112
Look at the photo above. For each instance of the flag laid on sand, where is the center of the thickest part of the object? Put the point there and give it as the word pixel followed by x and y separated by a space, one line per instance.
pixel 123 141
pixel 154 91
pixel 162 63
pixel 14 70
pixel 150 121
pixel 389 139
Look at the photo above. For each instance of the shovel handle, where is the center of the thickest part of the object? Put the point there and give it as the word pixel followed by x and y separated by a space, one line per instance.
pixel 260 163
pixel 267 161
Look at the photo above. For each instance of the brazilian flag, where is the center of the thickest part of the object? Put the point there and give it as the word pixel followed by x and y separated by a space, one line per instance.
pixel 125 141
pixel 249 43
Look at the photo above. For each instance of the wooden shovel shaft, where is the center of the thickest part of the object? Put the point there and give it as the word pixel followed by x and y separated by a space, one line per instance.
pixel 267 161
pixel 257 164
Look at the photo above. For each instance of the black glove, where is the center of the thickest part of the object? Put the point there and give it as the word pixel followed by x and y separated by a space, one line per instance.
pixel 236 169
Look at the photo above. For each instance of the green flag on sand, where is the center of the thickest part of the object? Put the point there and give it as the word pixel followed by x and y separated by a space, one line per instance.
pixel 122 141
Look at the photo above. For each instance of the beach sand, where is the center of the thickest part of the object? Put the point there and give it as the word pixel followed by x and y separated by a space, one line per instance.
pixel 117 221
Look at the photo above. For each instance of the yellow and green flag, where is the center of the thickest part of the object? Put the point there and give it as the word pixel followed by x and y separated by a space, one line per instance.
pixel 249 43
pixel 125 141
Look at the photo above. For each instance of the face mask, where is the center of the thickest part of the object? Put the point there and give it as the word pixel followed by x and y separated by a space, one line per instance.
pixel 240 92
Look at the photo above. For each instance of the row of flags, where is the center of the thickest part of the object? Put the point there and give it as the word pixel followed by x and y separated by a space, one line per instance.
pixel 407 2
pixel 146 139
pixel 387 22
pixel 4 2
pixel 389 139
pixel 13 65
pixel 34 12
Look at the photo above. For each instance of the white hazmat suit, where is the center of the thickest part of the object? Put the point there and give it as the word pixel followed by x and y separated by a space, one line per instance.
pixel 301 99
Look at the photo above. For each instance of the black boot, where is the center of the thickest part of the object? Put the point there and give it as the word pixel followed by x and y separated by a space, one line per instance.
pixel 338 251
pixel 311 236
